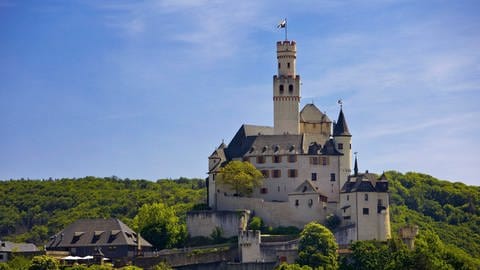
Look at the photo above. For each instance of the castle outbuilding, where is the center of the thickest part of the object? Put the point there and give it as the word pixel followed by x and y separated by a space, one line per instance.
pixel 306 162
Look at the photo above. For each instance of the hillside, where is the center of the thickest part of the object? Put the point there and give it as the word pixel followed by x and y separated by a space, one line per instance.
pixel 32 210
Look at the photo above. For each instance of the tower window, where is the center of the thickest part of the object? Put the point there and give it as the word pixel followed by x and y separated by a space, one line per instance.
pixel 314 176
pixel 332 177
pixel 290 88
pixel 340 146
pixel 280 88
pixel 279 65
pixel 288 65
pixel 348 197
pixel 296 203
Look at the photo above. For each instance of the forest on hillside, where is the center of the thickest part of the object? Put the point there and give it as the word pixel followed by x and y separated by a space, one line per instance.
pixel 34 210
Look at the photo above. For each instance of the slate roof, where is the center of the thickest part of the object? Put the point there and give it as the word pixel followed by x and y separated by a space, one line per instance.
pixel 96 232
pixel 7 246
pixel 244 138
pixel 340 128
pixel 365 182
pixel 259 140
pixel 276 145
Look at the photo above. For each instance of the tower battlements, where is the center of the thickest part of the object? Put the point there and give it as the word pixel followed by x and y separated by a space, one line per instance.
pixel 286 45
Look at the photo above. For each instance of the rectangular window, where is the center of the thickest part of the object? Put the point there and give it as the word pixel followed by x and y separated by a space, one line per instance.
pixel 296 203
pixel 332 177
pixel 348 197
pixel 292 158
pixel 265 173
pixel 292 173
pixel 340 146
pixel 264 190
pixel 276 159
pixel 276 173
pixel 324 161
pixel 247 159
pixel 260 159
pixel 314 160
pixel 1 257
pixel 365 211
pixel 366 197
pixel 314 176
pixel 346 217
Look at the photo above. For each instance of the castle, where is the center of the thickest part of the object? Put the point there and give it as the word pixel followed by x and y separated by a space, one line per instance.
pixel 306 161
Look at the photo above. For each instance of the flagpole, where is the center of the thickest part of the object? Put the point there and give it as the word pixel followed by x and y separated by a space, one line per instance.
pixel 286 25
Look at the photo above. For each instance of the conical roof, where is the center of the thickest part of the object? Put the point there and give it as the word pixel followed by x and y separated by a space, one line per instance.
pixel 341 128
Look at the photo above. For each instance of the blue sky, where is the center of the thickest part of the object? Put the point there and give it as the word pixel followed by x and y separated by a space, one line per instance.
pixel 148 89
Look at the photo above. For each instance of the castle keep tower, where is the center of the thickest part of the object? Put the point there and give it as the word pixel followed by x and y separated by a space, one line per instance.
pixel 286 90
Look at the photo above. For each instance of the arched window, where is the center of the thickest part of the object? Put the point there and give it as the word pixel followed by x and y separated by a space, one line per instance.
pixel 288 65
pixel 279 65
pixel 280 88
pixel 290 88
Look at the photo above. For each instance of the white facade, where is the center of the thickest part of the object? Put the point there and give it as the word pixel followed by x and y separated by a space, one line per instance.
pixel 306 161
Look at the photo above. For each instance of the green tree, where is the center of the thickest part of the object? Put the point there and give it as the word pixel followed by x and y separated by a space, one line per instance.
pixel 162 266
pixel 286 266
pixel 241 176
pixel 256 223
pixel 317 247
pixel 44 262
pixel 160 225
pixel 4 266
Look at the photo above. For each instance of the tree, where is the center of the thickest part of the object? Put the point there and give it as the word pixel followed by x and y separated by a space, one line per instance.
pixel 317 247
pixel 242 177
pixel 162 266
pixel 286 266
pixel 44 263
pixel 159 225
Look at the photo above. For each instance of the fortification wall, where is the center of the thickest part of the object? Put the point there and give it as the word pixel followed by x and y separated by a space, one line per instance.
pixel 202 223
pixel 277 213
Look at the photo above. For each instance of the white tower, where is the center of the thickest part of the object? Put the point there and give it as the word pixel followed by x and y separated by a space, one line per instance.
pixel 343 140
pixel 286 90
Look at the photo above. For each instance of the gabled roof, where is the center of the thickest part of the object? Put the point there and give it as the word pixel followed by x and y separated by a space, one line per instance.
pixel 96 232
pixel 311 114
pixel 307 187
pixel 340 128
pixel 330 149
pixel 365 182
pixel 244 138
pixel 7 246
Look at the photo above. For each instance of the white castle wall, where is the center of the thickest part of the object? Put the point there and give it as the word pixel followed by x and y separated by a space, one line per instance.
pixel 202 223
pixel 279 213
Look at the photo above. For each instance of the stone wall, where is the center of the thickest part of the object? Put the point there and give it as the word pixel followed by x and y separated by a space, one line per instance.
pixel 277 213
pixel 202 223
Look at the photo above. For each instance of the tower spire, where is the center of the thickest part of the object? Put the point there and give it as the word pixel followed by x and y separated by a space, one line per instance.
pixel 355 168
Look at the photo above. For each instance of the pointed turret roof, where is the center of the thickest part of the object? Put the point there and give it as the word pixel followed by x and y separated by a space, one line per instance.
pixel 341 128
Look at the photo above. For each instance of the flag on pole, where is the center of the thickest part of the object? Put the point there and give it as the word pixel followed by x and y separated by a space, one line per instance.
pixel 282 24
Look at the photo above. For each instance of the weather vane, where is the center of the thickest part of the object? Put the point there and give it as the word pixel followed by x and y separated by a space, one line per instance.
pixel 340 101
pixel 283 24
